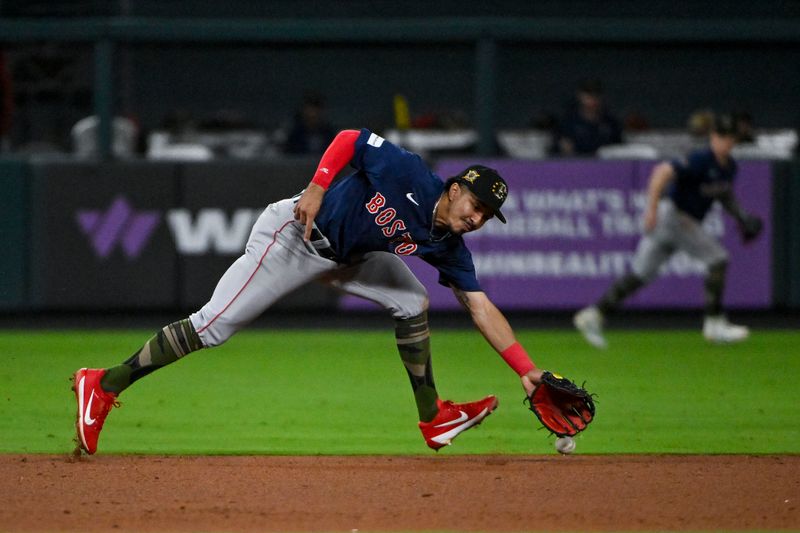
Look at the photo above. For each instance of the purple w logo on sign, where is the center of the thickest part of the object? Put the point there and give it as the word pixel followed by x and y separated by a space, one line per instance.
pixel 120 224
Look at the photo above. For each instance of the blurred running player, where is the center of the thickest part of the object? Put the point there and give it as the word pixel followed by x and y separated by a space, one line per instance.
pixel 672 222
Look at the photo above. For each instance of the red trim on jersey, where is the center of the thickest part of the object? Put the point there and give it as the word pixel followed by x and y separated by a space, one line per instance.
pixel 246 283
pixel 517 358
pixel 339 153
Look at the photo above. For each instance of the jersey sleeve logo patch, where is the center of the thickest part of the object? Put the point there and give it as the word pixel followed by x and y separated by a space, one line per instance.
pixel 375 140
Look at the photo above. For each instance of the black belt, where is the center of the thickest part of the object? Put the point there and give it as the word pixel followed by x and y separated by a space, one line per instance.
pixel 322 245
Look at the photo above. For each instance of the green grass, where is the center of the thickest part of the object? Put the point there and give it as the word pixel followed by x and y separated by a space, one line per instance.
pixel 346 392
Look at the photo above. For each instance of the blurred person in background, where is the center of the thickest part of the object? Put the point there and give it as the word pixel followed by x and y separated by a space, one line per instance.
pixel 588 125
pixel 310 131
pixel 699 123
pixel 672 222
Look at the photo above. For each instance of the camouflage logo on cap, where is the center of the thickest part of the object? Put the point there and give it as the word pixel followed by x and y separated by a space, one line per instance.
pixel 500 190
pixel 471 176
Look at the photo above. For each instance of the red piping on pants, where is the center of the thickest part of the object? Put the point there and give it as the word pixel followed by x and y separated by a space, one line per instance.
pixel 260 261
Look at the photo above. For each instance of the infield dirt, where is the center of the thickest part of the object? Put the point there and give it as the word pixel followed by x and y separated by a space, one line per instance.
pixel 382 493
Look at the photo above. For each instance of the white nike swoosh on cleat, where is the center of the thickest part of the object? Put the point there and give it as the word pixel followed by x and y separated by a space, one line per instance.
pixel 410 197
pixel 87 417
pixel 447 436
pixel 461 418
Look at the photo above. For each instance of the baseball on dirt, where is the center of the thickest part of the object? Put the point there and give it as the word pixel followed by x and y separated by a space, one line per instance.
pixel 565 445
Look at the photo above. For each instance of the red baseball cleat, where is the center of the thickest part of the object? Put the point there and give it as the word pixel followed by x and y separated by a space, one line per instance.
pixel 94 405
pixel 453 418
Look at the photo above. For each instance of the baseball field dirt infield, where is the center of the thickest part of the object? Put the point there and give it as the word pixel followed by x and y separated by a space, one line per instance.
pixel 384 493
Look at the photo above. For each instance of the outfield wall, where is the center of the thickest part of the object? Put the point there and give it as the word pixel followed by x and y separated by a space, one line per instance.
pixel 142 235
pixel 573 228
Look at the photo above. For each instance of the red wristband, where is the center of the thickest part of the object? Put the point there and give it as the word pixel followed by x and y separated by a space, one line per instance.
pixel 517 358
pixel 337 155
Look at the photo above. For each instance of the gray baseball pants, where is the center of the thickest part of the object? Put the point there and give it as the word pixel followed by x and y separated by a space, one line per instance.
pixel 675 231
pixel 277 260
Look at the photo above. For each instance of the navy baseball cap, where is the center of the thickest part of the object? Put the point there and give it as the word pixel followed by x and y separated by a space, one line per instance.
pixel 487 185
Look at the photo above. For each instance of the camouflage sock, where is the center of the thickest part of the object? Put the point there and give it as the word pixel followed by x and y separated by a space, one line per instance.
pixel 167 346
pixel 714 286
pixel 616 294
pixel 414 344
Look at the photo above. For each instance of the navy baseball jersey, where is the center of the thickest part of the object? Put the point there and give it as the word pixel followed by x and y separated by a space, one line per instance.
pixel 700 181
pixel 387 205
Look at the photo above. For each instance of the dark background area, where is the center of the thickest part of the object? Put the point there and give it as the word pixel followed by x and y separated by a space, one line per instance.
pixel 260 84
pixel 396 8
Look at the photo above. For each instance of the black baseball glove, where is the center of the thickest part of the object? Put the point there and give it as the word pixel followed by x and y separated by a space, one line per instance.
pixel 750 227
pixel 561 406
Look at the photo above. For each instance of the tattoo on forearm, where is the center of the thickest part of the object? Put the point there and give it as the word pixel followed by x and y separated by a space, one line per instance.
pixel 462 298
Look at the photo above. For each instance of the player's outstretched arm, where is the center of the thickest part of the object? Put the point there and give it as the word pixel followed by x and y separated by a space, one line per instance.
pixel 750 226
pixel 498 333
pixel 661 176
pixel 732 206
pixel 561 406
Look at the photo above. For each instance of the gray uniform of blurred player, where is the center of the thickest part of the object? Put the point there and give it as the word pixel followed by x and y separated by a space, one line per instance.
pixel 672 223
